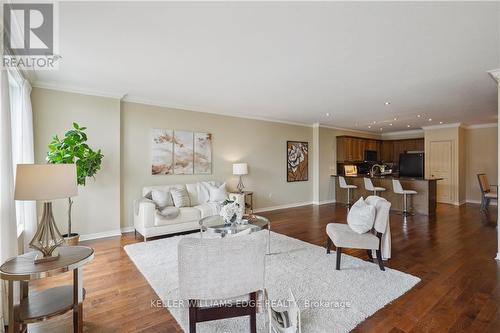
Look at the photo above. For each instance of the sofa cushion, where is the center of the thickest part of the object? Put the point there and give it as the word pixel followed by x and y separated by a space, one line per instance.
pixel 180 196
pixel 208 209
pixel 186 214
pixel 169 212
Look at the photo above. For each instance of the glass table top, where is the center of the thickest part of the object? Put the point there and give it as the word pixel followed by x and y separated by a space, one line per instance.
pixel 215 224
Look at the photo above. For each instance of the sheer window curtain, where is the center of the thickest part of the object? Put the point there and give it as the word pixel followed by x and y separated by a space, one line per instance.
pixel 22 149
pixel 8 225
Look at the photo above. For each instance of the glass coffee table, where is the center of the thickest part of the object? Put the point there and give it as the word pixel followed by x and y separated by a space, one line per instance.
pixel 215 225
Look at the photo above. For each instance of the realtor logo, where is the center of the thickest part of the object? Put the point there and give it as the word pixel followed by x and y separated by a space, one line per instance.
pixel 29 28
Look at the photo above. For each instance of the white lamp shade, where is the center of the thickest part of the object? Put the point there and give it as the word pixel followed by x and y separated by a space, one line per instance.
pixel 240 169
pixel 45 182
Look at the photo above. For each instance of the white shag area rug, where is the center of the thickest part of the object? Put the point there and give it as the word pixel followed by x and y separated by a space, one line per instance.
pixel 330 300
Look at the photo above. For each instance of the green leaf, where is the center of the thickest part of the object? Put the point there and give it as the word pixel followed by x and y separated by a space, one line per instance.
pixel 75 125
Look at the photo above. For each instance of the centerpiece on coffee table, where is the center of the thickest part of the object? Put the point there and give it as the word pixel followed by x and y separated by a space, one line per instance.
pixel 231 212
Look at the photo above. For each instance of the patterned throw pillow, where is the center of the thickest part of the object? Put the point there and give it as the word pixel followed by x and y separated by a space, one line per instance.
pixel 180 197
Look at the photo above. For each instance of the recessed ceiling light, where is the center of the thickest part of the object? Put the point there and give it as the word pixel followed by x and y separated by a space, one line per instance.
pixel 395 119
pixel 387 103
pixel 390 124
pixel 369 126
pixel 408 125
pixel 374 122
pixel 441 122
pixel 430 119
pixel 328 114
pixel 381 129
pixel 418 116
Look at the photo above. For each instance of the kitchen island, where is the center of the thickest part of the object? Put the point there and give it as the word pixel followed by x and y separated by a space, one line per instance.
pixel 424 202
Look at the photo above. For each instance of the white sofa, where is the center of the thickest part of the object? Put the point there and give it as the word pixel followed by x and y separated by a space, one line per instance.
pixel 149 223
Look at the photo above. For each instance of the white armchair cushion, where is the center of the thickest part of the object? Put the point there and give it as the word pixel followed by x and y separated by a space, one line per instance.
pixel 217 193
pixel 343 236
pixel 180 197
pixel 361 217
pixel 162 199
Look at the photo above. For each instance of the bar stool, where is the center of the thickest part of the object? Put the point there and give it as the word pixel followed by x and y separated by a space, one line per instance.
pixel 398 189
pixel 369 186
pixel 343 184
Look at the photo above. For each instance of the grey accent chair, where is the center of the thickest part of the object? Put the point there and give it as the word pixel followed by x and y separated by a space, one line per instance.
pixel 220 270
pixel 486 193
pixel 342 236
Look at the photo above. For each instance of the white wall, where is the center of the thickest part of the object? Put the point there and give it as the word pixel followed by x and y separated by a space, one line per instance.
pixel 97 206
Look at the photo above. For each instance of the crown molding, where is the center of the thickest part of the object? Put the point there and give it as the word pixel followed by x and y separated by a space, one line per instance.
pixel 476 126
pixel 402 133
pixel 495 74
pixel 348 130
pixel 432 127
pixel 75 90
pixel 135 100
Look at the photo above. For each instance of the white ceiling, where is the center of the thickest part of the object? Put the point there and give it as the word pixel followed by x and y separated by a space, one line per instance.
pixel 289 61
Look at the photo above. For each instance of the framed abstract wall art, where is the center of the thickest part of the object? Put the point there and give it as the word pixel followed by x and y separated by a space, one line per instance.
pixel 297 161
pixel 176 152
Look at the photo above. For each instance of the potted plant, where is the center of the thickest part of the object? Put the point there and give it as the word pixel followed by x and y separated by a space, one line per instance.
pixel 74 149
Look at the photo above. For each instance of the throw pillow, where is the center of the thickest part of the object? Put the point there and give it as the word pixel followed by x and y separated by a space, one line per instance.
pixel 203 192
pixel 180 197
pixel 162 199
pixel 361 217
pixel 169 213
pixel 217 193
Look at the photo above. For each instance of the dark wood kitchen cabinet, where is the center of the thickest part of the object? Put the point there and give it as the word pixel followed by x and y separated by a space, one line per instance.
pixel 351 149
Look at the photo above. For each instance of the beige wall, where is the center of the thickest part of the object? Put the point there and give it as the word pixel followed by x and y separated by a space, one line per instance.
pixel 97 206
pixel 259 143
pixel 481 149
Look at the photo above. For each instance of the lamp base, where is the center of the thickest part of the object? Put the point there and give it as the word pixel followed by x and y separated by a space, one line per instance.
pixel 240 186
pixel 47 237
pixel 41 258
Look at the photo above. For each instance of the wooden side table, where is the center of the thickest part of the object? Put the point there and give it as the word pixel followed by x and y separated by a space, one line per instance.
pixel 247 199
pixel 50 302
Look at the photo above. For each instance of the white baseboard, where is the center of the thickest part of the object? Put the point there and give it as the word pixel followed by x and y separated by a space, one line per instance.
pixel 324 202
pixel 498 256
pixel 104 234
pixel 459 203
pixel 493 203
pixel 127 229
pixel 297 204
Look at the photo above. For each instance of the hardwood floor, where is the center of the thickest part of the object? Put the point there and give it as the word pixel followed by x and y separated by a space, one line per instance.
pixel 453 253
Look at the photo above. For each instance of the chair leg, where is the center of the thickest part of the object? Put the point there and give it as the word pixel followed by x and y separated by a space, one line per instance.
pixel 253 314
pixel 135 234
pixel 486 204
pixel 328 245
pixel 370 256
pixel 339 254
pixel 193 307
pixel 379 259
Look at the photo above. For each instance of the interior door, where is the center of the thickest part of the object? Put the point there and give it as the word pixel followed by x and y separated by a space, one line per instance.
pixel 440 165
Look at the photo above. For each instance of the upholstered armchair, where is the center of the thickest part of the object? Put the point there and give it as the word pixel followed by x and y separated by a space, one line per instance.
pixel 342 236
pixel 219 269
pixel 486 193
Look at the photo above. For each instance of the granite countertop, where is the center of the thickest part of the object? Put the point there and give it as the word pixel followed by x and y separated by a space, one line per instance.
pixel 390 176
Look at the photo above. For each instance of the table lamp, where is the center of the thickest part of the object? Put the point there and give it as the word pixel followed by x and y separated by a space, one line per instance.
pixel 46 182
pixel 240 169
